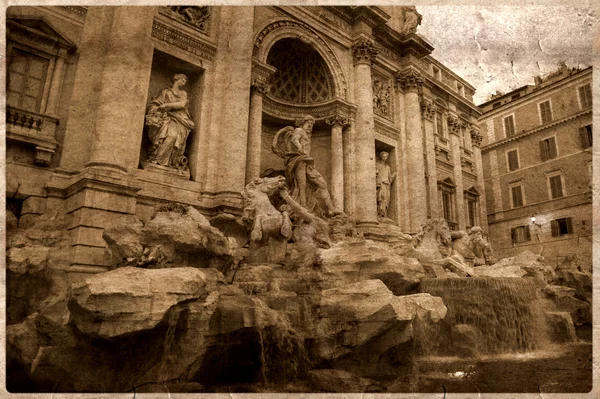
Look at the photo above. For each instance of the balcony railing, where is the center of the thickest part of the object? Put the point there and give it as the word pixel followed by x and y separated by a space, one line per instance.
pixel 34 129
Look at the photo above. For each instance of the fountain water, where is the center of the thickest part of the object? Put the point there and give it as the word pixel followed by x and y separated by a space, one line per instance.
pixel 485 316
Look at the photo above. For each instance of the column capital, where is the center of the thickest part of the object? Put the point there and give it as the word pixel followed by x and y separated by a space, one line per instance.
pixel 454 124
pixel 476 136
pixel 410 80
pixel 259 86
pixel 338 119
pixel 427 109
pixel 364 52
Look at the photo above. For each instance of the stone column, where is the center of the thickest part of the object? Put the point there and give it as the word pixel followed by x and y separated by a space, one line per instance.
pixel 476 139
pixel 336 187
pixel 402 173
pixel 258 88
pixel 349 163
pixel 412 83
pixel 365 185
pixel 428 110
pixel 455 145
pixel 122 99
pixel 226 163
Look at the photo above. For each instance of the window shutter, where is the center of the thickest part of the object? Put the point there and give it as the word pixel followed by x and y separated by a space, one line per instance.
pixel 552 147
pixel 527 234
pixel 569 226
pixel 555 231
pixel 543 153
pixel 583 137
pixel 513 235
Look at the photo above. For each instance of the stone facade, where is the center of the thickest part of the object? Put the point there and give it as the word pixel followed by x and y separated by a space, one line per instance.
pixel 78 141
pixel 537 158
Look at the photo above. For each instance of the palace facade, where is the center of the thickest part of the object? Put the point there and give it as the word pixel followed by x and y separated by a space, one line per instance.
pixel 537 156
pixel 78 132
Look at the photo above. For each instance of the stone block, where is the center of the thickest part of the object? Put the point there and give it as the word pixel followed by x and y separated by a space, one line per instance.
pixel 35 205
pixel 86 255
pixel 89 236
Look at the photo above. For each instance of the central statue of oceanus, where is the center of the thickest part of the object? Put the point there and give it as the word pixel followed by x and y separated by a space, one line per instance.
pixel 307 185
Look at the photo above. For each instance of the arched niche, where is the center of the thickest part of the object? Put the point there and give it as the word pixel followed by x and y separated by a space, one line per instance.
pixel 275 31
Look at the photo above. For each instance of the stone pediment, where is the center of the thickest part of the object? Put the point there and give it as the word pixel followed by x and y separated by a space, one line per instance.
pixel 38 29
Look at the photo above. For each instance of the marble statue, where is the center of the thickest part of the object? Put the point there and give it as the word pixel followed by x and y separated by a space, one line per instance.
pixel 433 242
pixel 270 229
pixel 169 124
pixel 412 19
pixel 381 98
pixel 307 185
pixel 385 179
pixel 470 247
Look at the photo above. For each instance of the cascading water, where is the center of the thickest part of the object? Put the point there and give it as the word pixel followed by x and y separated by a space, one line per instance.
pixel 486 315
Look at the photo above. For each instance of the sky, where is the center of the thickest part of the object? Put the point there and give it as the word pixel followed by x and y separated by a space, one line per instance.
pixel 501 48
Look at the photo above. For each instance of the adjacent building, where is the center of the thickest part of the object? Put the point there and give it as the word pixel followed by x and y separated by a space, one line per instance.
pixel 537 162
pixel 79 134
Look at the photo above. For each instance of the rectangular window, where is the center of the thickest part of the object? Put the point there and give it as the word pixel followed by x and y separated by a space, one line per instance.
pixel 555 183
pixel 545 112
pixel 585 135
pixel 509 126
pixel 513 160
pixel 496 104
pixel 520 234
pixel 515 96
pixel 548 149
pixel 472 212
pixel 561 227
pixel 516 193
pixel 439 124
pixel 585 96
pixel 447 205
pixel 26 80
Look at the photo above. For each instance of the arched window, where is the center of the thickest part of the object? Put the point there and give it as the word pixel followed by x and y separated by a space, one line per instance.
pixel 302 75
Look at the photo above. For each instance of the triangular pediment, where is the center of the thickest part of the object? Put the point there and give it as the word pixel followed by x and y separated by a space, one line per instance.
pixel 472 191
pixel 39 27
pixel 448 182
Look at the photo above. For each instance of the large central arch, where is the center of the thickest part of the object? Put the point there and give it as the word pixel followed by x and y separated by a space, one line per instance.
pixel 277 30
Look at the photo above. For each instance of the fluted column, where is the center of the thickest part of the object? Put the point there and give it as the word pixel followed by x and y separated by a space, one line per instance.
pixel 412 83
pixel 349 164
pixel 336 188
pixel 258 89
pixel 365 185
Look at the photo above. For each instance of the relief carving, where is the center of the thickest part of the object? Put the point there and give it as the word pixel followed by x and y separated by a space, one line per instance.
pixel 381 98
pixel 196 16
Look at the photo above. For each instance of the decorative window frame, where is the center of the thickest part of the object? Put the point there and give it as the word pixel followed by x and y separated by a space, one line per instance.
pixel 504 117
pixel 539 108
pixel 555 145
pixel 472 195
pixel 508 160
pixel 579 96
pixel 555 173
pixel 38 128
pixel 511 185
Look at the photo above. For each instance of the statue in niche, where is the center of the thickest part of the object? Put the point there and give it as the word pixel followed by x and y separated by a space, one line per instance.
pixel 194 15
pixel 169 124
pixel 385 179
pixel 381 96
pixel 307 185
pixel 412 19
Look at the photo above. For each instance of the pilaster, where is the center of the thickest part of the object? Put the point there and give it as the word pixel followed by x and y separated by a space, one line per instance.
pixel 428 111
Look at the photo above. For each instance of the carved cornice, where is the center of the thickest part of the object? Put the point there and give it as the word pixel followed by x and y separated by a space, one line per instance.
pixel 364 52
pixel 79 10
pixel 338 119
pixel 428 109
pixel 184 41
pixel 290 112
pixel 259 86
pixel 410 80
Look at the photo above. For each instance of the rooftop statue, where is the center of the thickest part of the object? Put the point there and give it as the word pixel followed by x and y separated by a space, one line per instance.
pixel 169 124
pixel 412 19
pixel 307 185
